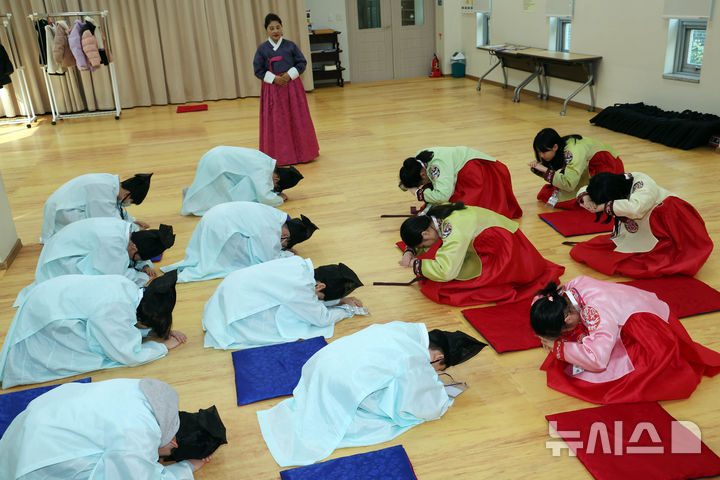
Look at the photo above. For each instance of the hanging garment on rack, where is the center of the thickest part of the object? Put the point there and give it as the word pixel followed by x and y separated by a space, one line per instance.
pixel 90 48
pixel 53 67
pixel 105 56
pixel 42 42
pixel 6 67
pixel 75 41
pixel 61 49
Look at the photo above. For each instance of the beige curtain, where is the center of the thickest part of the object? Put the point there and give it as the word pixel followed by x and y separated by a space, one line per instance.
pixel 165 51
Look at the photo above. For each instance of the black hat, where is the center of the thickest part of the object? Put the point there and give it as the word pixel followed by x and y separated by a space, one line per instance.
pixel 157 304
pixel 199 435
pixel 300 230
pixel 339 280
pixel 138 186
pixel 288 177
pixel 456 346
pixel 151 243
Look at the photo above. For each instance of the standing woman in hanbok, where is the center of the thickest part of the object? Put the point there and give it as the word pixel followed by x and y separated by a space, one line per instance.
pixel 286 129
pixel 567 163
pixel 656 233
pixel 471 255
pixel 460 174
pixel 613 343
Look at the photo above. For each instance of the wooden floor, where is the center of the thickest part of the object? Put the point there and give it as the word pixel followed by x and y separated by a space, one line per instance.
pixel 497 428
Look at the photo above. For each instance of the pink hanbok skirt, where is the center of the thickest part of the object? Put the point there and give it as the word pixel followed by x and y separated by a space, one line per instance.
pixel 287 133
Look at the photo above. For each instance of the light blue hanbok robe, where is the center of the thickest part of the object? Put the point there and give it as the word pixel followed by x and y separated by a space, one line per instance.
pixel 75 324
pixel 363 389
pixel 230 236
pixel 231 174
pixel 87 196
pixel 92 246
pixel 268 303
pixel 104 431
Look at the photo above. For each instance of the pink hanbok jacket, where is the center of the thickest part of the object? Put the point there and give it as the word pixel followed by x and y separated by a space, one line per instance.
pixel 604 308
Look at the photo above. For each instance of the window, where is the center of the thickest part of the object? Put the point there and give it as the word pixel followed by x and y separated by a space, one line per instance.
pixel 483 29
pixel 684 54
pixel 411 12
pixel 690 46
pixel 369 14
pixel 560 34
pixel 564 30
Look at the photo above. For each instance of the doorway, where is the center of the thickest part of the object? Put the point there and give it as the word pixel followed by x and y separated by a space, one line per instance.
pixel 390 39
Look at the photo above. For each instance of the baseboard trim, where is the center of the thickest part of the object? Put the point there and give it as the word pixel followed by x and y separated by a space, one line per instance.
pixel 11 256
pixel 530 93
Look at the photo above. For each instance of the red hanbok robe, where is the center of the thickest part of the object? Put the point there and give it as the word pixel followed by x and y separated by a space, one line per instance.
pixel 658 234
pixel 463 174
pixel 628 348
pixel 482 257
pixel 583 159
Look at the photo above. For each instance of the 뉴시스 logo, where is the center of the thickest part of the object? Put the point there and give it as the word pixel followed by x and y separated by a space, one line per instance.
pixel 684 438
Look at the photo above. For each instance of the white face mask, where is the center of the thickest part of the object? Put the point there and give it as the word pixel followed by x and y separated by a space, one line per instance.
pixel 123 203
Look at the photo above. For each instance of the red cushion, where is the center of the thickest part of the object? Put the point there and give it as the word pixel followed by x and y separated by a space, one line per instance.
pixel 661 448
pixel 686 295
pixel 506 327
pixel 570 223
pixel 192 108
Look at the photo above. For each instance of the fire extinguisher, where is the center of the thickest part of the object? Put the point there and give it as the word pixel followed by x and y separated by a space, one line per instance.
pixel 435 72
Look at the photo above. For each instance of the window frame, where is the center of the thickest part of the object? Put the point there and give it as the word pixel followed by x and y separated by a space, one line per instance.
pixel 560 34
pixel 482 29
pixel 682 47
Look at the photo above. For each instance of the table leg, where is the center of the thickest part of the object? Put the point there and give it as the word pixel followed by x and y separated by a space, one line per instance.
pixel 518 89
pixel 488 72
pixel 589 82
pixel 541 93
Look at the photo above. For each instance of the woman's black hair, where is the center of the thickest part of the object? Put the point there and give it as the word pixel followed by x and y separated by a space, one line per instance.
pixel 545 140
pixel 445 209
pixel 547 317
pixel 412 228
pixel 605 187
pixel 410 171
pixel 271 17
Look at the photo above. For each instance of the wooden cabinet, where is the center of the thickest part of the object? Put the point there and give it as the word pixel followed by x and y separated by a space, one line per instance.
pixel 325 52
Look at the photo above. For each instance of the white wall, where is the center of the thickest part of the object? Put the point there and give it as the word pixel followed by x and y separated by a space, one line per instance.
pixel 332 14
pixel 8 234
pixel 631 36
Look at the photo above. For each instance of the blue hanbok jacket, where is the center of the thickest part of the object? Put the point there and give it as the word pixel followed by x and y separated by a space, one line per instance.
pixel 75 324
pixel 268 303
pixel 100 431
pixel 231 174
pixel 363 389
pixel 231 236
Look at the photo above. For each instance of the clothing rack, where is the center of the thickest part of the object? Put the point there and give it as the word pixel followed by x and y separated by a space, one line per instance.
pixel 20 84
pixel 104 24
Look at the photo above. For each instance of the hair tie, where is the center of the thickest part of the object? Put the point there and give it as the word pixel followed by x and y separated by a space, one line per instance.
pixel 422 165
pixel 550 298
pixel 627 176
